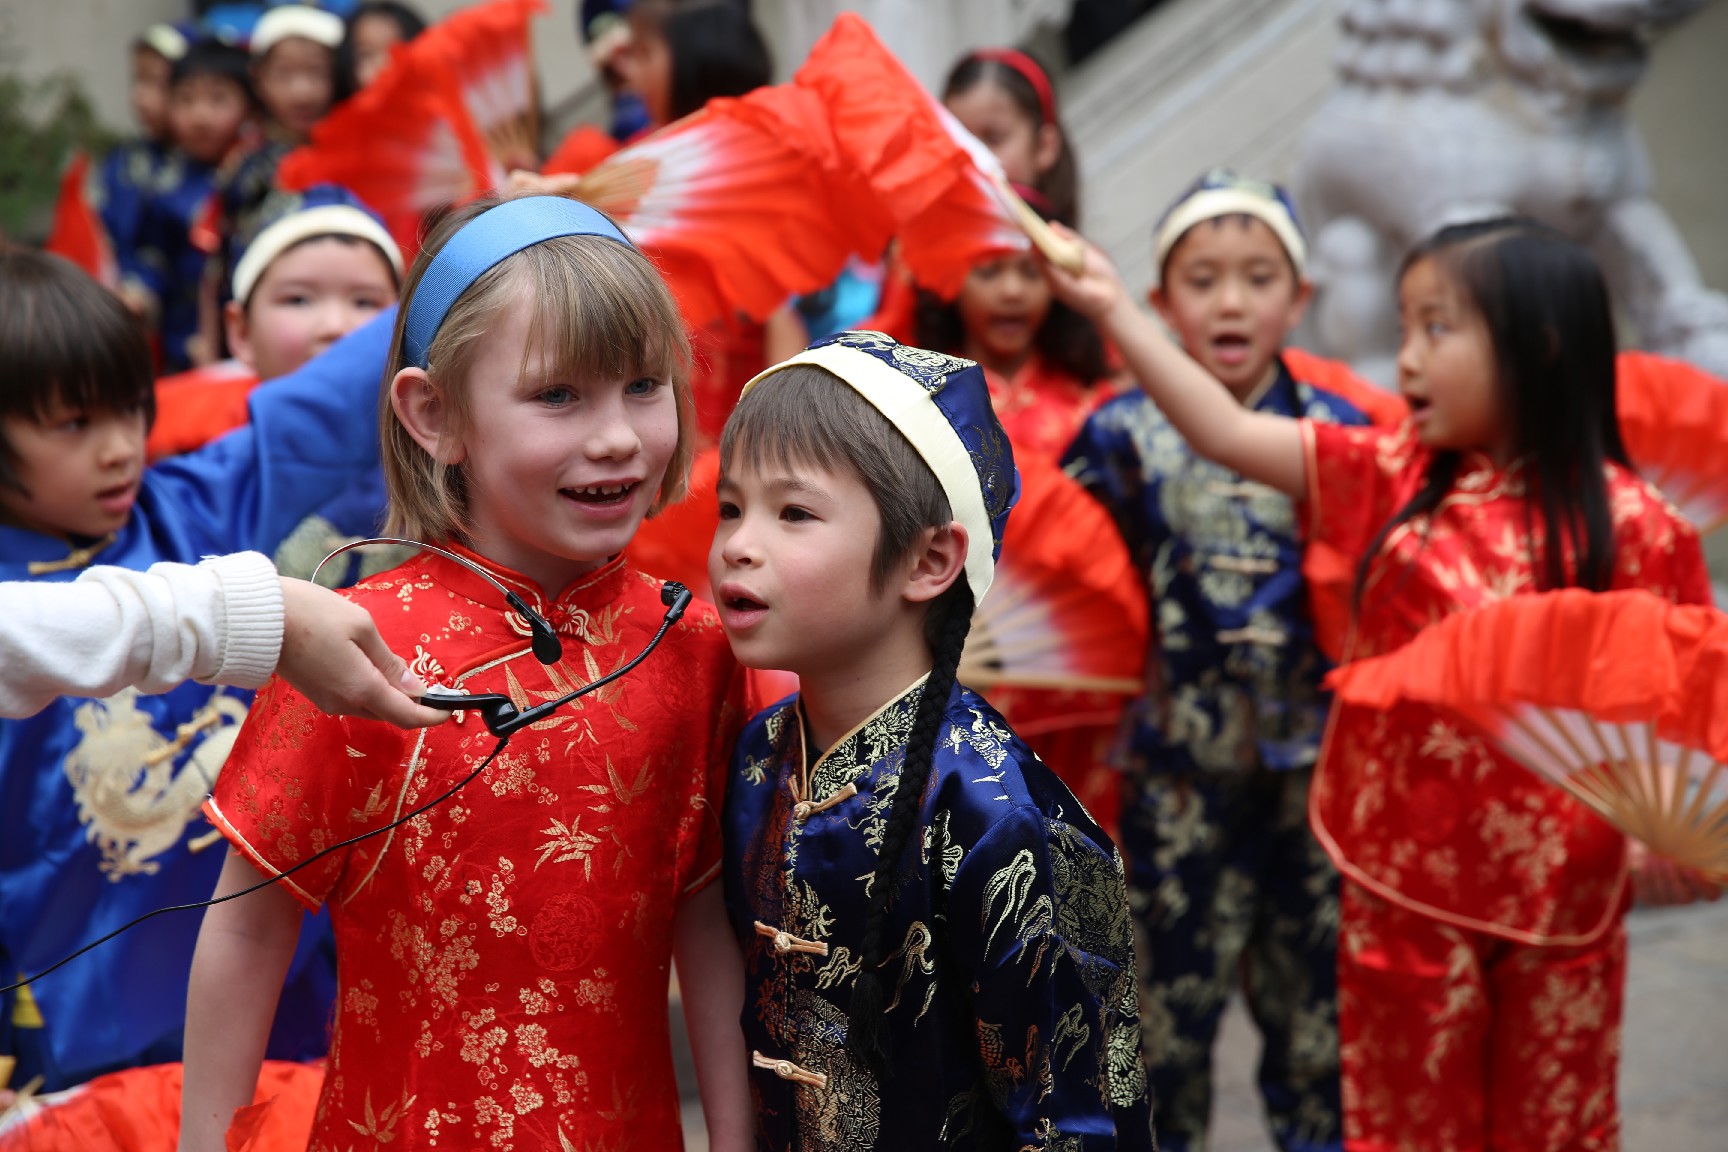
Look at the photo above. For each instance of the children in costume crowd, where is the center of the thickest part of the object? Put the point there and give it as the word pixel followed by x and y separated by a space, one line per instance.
pixel 101 813
pixel 938 946
pixel 1229 885
pixel 294 70
pixel 1044 362
pixel 1481 958
pixel 504 956
pixel 374 27
pixel 320 269
pixel 209 101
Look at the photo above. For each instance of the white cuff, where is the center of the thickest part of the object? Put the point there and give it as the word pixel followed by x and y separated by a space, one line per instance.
pixel 252 618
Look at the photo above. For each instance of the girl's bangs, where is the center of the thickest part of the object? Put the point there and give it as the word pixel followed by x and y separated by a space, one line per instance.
pixel 600 312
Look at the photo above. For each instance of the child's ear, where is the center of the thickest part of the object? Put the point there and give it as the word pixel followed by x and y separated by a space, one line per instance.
pixel 1160 301
pixel 1046 147
pixel 939 559
pixel 424 411
pixel 1299 303
pixel 239 333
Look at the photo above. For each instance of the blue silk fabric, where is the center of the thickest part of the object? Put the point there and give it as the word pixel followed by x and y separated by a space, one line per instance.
pixel 122 189
pixel 1012 1019
pixel 1237 680
pixel 99 817
pixel 163 257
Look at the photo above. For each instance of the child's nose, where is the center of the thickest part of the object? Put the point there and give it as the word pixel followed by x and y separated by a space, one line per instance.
pixel 611 433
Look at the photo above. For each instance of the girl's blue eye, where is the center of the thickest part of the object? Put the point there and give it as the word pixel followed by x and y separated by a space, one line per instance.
pixel 556 397
pixel 646 386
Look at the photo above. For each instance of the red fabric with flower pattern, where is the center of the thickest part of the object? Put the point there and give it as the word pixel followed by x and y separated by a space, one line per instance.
pixel 1409 802
pixel 504 958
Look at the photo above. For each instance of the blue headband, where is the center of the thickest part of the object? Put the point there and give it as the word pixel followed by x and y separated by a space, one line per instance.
pixel 482 243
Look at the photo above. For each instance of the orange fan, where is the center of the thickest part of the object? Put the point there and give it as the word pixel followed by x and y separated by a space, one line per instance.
pixel 487 53
pixel 1620 698
pixel 1067 609
pixel 405 145
pixel 1674 418
pixel 741 204
pixel 138 1110
pixel 946 194
pixel 674 544
pixel 77 232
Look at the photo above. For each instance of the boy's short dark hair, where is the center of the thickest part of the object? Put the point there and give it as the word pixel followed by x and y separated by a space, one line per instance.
pixel 215 58
pixel 63 337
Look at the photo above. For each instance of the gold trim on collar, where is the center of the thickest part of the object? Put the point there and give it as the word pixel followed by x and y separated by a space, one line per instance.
pixel 801 780
pixel 77 558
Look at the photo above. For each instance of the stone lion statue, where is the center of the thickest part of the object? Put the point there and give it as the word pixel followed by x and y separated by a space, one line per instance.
pixel 1451 110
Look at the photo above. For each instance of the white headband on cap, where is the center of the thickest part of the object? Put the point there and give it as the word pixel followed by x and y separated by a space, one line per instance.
pixel 292 20
pixel 1212 203
pixel 910 408
pixel 165 40
pixel 325 220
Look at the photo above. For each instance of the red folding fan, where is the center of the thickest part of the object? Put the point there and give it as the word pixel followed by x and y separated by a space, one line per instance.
pixel 1620 698
pixel 674 544
pixel 77 232
pixel 945 193
pixel 1674 418
pixel 487 53
pixel 582 148
pixel 405 144
pixel 1067 609
pixel 741 204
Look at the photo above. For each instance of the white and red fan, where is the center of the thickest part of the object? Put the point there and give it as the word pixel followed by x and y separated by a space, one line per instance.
pixel 1674 419
pixel 1620 698
pixel 742 204
pixel 487 52
pixel 405 145
pixel 946 195
pixel 1067 610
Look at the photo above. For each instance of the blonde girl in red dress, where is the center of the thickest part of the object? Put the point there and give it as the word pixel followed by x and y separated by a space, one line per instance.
pixel 1482 950
pixel 503 958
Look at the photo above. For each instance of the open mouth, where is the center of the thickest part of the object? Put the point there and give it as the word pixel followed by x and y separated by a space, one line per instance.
pixel 744 604
pixel 600 495
pixel 1231 348
pixel 1585 41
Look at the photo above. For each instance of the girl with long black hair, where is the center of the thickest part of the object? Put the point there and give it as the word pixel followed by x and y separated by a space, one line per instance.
pixel 1481 964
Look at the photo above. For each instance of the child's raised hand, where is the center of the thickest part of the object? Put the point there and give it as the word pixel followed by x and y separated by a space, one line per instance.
pixel 1096 288
pixel 332 653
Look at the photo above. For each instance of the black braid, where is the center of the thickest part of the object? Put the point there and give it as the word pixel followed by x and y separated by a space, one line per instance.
pixel 865 1035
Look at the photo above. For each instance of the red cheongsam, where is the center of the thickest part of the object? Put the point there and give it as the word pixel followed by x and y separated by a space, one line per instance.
pixel 503 959
pixel 1481 954
pixel 1042 407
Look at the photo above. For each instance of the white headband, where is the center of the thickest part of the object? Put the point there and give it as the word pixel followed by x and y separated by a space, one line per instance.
pixel 1212 203
pixel 292 20
pixel 325 220
pixel 909 407
pixel 165 40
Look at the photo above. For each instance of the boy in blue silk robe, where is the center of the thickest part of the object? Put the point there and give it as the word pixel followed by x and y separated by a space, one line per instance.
pixel 1228 884
pixel 99 799
pixel 937 941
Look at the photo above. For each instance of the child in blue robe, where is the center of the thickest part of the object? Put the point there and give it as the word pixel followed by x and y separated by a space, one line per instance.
pixel 937 940
pixel 99 799
pixel 1229 885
